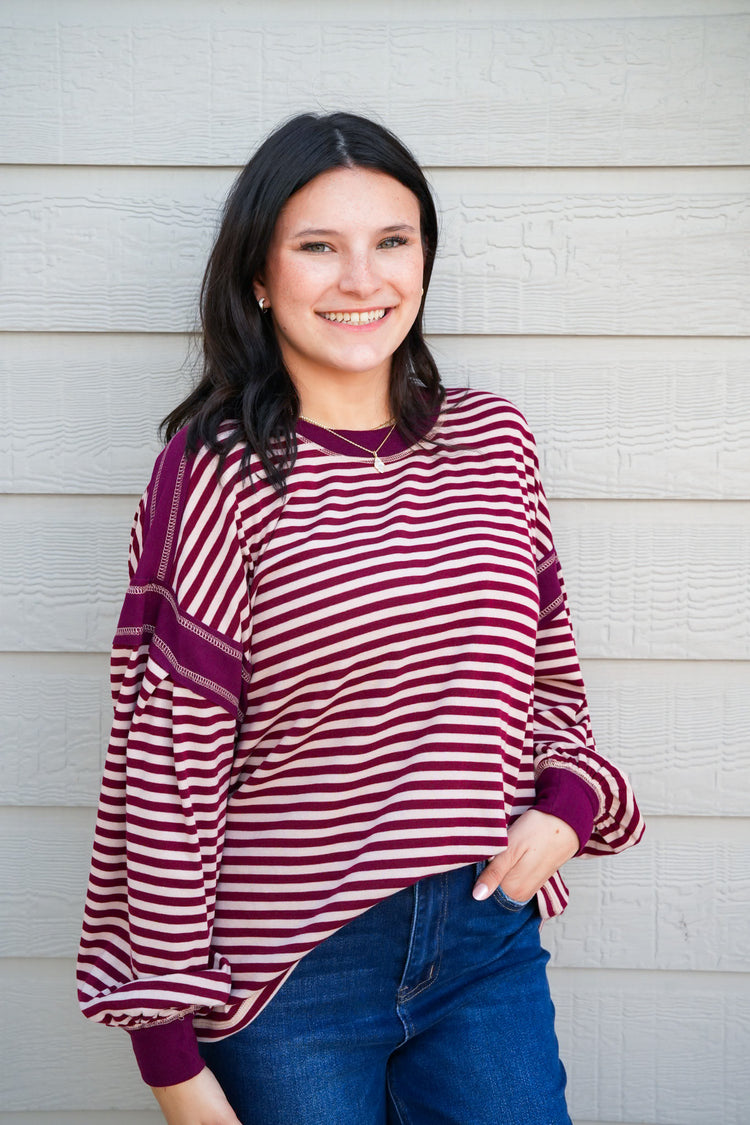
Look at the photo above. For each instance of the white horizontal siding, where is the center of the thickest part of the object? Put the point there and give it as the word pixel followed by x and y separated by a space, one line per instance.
pixel 678 728
pixel 633 911
pixel 649 418
pixel 620 1032
pixel 516 91
pixel 591 163
pixel 124 250
pixel 659 580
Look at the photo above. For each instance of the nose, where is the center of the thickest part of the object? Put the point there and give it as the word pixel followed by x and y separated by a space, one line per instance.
pixel 359 275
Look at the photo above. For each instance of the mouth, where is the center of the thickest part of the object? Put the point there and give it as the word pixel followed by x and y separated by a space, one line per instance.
pixel 364 316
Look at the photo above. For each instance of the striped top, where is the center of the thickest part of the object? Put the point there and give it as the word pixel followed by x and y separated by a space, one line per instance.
pixel 320 699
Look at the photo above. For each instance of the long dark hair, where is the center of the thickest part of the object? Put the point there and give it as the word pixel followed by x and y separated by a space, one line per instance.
pixel 244 378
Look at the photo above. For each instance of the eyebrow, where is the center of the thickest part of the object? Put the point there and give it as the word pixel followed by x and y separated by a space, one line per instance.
pixel 326 233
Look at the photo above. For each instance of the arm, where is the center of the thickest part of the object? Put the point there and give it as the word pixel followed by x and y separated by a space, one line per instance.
pixel 198 1101
pixel 573 780
pixel 584 804
pixel 145 961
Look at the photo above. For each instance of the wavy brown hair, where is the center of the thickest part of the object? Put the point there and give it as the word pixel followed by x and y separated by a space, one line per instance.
pixel 244 379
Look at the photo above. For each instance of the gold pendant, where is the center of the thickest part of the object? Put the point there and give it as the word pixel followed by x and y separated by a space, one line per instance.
pixel 379 465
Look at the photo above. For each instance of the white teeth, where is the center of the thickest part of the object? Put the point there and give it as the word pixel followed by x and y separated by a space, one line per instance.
pixel 356 317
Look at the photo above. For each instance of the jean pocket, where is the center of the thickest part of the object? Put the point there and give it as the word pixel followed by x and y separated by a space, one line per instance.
pixel 509 903
pixel 500 897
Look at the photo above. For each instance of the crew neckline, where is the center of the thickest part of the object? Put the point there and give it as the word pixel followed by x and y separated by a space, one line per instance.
pixel 332 442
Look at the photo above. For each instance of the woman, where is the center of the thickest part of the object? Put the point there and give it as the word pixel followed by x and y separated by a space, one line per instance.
pixel 344 676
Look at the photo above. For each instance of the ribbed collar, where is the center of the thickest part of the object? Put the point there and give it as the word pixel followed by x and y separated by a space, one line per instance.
pixel 370 439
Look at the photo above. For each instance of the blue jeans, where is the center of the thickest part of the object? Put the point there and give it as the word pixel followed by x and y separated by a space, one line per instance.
pixel 428 1009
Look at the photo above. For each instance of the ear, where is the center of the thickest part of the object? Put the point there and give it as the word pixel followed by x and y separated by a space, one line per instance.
pixel 259 289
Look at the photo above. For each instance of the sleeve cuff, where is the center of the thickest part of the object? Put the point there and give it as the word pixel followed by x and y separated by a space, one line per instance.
pixel 562 793
pixel 167 1053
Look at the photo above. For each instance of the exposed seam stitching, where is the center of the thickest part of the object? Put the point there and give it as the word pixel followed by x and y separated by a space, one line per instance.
pixel 423 984
pixel 555 763
pixel 435 966
pixel 545 564
pixel 154 494
pixel 199 630
pixel 168 1019
pixel 198 679
pixel 550 609
pixel 156 640
pixel 398 1105
pixel 172 522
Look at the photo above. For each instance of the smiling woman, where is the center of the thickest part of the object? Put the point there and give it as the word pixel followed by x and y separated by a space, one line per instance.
pixel 300 227
pixel 344 293
pixel 348 707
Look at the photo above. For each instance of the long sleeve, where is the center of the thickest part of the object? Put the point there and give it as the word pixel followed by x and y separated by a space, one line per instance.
pixel 178 669
pixel 572 779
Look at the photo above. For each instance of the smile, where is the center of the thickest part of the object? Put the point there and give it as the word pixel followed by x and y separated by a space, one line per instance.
pixel 365 317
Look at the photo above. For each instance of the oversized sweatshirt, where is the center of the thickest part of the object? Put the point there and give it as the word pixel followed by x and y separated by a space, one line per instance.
pixel 319 699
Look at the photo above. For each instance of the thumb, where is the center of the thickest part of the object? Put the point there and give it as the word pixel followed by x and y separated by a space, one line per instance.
pixel 497 868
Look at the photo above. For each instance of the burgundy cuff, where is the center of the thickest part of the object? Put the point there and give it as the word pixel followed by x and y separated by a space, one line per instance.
pixel 563 793
pixel 167 1053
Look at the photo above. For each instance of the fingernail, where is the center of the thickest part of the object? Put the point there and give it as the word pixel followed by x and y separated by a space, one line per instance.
pixel 481 890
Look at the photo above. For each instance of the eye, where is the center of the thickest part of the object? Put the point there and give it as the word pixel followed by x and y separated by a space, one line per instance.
pixel 394 240
pixel 315 247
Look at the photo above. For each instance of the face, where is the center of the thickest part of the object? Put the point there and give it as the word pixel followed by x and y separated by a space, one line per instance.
pixel 343 275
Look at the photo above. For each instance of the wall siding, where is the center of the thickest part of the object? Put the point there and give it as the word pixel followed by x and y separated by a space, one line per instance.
pixel 463 91
pixel 630 912
pixel 123 250
pixel 637 574
pixel 678 727
pixel 653 419
pixel 611 1023
pixel 592 173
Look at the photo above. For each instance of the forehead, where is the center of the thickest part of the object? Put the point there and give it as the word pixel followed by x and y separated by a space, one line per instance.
pixel 343 197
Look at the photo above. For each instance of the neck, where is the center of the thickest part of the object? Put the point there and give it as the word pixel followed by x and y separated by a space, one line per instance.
pixel 346 416
pixel 356 405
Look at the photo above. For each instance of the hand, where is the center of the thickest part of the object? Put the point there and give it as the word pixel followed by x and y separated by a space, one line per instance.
pixel 199 1101
pixel 538 843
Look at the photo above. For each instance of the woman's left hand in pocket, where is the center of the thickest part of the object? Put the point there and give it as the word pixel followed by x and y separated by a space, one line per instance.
pixel 538 843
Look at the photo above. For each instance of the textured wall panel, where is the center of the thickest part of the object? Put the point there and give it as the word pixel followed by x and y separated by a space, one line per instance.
pixel 654 1047
pixel 618 418
pixel 622 1035
pixel 560 142
pixel 65 572
pixel 55 718
pixel 472 91
pixel 82 411
pixel 647 580
pixel 679 729
pixel 631 911
pixel 676 901
pixel 125 250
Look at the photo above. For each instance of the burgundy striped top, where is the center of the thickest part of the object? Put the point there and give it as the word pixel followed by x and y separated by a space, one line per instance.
pixel 320 699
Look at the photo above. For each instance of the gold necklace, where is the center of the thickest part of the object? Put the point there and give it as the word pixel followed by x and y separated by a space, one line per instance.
pixel 377 461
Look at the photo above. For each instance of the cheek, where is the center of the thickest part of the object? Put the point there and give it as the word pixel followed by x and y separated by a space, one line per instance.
pixel 291 284
pixel 291 279
pixel 411 276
